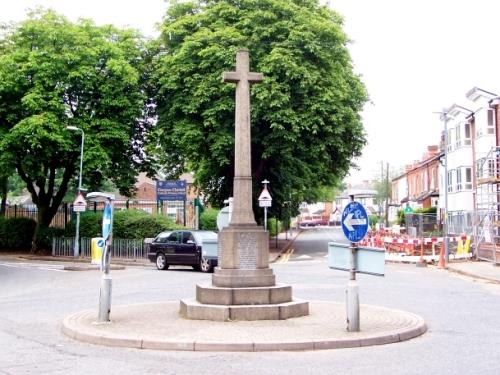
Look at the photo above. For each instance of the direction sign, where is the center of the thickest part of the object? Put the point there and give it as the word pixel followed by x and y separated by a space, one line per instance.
pixel 107 220
pixel 354 221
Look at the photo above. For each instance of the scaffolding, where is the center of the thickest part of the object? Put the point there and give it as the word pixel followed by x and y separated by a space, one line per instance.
pixel 487 222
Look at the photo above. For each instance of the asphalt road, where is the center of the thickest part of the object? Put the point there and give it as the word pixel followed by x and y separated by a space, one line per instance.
pixel 462 316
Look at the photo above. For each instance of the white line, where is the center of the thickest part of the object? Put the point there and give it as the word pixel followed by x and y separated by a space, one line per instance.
pixel 33 265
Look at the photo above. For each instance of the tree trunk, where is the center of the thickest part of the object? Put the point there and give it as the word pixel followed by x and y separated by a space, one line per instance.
pixel 44 217
pixel 3 196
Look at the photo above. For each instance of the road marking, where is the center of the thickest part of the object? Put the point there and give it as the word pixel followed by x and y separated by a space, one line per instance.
pixel 56 268
pixel 303 257
pixel 286 256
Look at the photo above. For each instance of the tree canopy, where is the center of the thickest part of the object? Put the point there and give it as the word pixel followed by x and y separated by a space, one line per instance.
pixel 306 126
pixel 54 74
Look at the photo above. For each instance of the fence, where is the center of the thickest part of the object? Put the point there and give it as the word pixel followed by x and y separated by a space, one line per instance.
pixel 418 225
pixel 461 222
pixel 60 220
pixel 129 249
pixel 173 210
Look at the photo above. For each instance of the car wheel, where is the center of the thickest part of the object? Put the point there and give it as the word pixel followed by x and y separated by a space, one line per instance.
pixel 205 265
pixel 161 261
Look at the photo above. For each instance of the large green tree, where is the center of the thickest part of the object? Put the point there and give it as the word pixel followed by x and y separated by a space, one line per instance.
pixel 54 74
pixel 306 126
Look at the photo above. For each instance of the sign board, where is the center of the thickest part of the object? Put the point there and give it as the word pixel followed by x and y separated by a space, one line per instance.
pixel 265 202
pixel 174 190
pixel 265 199
pixel 369 260
pixel 107 221
pixel 408 210
pixel 79 207
pixel 79 204
pixel 354 221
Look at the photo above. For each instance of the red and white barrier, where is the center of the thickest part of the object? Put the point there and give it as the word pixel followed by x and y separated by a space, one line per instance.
pixel 428 240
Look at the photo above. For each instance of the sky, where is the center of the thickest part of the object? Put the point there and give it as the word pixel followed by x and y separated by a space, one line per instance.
pixel 415 58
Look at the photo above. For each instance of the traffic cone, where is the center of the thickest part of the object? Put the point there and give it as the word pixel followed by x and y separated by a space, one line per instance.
pixel 422 262
pixel 442 263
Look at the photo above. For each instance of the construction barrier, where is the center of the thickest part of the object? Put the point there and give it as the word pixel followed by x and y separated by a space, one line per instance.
pixel 413 246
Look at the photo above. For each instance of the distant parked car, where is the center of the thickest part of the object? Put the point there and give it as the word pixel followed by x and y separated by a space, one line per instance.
pixel 313 222
pixel 182 247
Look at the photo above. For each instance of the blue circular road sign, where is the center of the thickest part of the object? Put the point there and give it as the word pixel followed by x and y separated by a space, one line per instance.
pixel 354 221
pixel 107 220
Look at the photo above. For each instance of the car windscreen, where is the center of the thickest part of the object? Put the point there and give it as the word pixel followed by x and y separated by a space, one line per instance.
pixel 162 237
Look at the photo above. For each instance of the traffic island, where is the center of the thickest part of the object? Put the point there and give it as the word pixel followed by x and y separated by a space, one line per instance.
pixel 159 326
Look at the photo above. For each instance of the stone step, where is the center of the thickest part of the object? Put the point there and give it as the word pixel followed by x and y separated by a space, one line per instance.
pixel 213 295
pixel 243 278
pixel 192 309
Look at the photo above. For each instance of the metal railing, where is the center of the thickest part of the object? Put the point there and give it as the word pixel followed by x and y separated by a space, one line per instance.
pixel 129 249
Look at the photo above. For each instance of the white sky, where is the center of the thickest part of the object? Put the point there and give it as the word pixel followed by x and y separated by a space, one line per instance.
pixel 415 57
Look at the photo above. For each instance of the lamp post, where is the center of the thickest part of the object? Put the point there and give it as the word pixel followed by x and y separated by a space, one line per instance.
pixel 76 249
pixel 444 117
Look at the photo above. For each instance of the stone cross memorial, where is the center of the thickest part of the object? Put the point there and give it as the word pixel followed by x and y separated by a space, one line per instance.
pixel 243 286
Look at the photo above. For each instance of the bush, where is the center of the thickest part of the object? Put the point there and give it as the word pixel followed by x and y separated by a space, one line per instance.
pixel 140 224
pixel 372 220
pixel 45 235
pixel 129 224
pixel 274 227
pixel 90 225
pixel 16 233
pixel 208 219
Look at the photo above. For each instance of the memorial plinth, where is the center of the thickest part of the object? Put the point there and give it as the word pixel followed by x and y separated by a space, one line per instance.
pixel 243 286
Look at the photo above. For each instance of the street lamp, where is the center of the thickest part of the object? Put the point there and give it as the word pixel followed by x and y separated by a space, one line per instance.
pixel 76 249
pixel 444 117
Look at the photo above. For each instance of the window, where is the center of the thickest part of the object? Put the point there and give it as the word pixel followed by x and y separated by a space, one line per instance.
pixel 448 141
pixel 174 237
pixel 491 122
pixel 467 138
pixel 491 168
pixel 458 143
pixel 450 181
pixel 459 179
pixel 468 178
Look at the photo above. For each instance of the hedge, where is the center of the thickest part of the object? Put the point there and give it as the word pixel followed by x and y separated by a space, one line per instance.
pixel 16 233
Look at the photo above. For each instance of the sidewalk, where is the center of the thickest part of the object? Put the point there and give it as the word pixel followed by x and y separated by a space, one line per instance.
pixel 472 268
pixel 477 269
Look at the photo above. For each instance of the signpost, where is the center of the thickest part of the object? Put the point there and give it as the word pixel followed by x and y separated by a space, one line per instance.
pixel 354 225
pixel 265 201
pixel 172 190
pixel 107 234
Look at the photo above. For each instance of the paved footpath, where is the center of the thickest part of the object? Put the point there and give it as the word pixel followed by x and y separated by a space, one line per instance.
pixel 159 326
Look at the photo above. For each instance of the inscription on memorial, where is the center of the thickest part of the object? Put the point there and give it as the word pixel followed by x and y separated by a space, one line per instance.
pixel 247 245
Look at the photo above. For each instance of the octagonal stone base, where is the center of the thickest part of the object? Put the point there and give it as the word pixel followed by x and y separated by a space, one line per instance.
pixel 212 295
pixel 192 309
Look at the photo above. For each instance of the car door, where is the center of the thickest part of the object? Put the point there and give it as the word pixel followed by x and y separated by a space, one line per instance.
pixel 186 250
pixel 170 247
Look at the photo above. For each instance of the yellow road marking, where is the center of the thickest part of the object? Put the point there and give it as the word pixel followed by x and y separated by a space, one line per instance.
pixel 286 256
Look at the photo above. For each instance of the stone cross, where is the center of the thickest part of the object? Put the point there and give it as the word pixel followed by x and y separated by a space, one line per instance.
pixel 242 187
